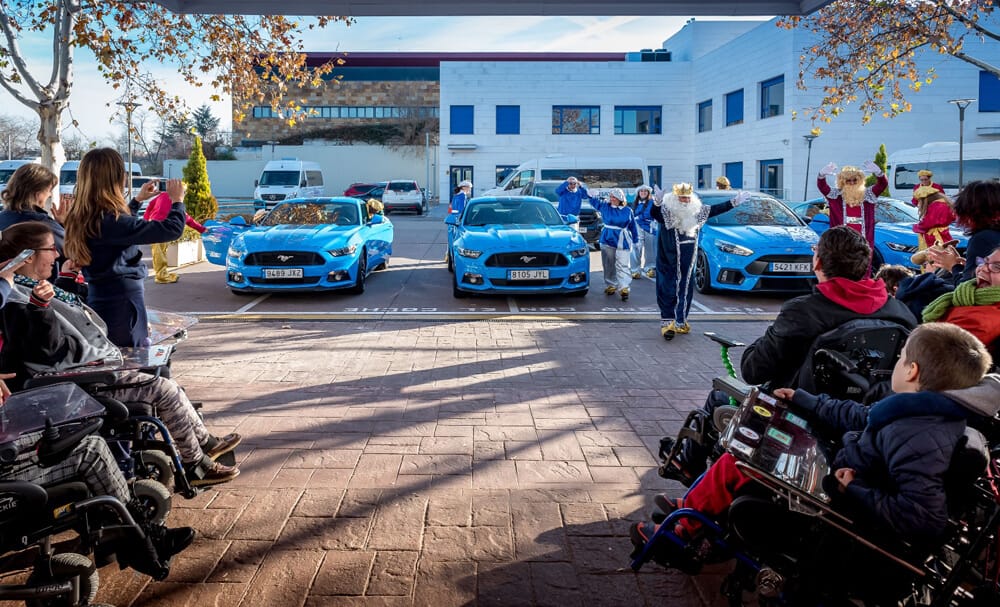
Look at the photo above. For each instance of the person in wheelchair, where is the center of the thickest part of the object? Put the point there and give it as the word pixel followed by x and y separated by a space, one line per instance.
pixel 842 294
pixel 890 470
pixel 48 329
pixel 148 550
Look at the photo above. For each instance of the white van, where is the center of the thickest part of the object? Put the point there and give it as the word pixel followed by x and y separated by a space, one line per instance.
pixel 7 168
pixel 980 161
pixel 599 173
pixel 67 177
pixel 289 178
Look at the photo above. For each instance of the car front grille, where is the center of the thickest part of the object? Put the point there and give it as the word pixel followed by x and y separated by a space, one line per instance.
pixel 285 258
pixel 273 197
pixel 503 282
pixel 526 260
pixel 784 284
pixel 305 280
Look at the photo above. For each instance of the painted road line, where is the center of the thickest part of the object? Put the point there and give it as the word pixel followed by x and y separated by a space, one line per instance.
pixel 702 307
pixel 253 303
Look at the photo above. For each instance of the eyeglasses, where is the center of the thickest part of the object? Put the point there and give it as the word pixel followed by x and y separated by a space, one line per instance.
pixel 993 267
pixel 852 180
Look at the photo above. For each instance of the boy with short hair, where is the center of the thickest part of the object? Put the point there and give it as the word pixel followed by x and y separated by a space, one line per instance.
pixel 892 471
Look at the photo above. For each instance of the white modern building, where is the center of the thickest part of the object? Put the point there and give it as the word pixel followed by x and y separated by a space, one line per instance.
pixel 719 98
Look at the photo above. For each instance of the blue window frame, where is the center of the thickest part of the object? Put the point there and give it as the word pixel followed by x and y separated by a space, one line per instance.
pixel 772 178
pixel 734 173
pixel 576 120
pixel 705 116
pixel 772 97
pixel 703 176
pixel 508 120
pixel 638 119
pixel 989 92
pixel 734 109
pixel 655 175
pixel 462 119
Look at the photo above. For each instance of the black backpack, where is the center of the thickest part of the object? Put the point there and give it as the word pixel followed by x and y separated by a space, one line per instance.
pixel 853 361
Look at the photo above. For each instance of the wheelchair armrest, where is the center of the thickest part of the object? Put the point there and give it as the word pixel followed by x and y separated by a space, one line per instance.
pixel 838 358
pixel 116 409
pixel 723 341
pixel 731 387
pixel 84 378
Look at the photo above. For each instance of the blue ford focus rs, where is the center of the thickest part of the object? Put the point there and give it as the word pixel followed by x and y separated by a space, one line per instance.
pixel 759 246
pixel 311 244
pixel 517 245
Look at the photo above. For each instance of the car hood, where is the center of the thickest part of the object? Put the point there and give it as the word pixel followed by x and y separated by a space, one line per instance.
pixel 542 237
pixel 264 238
pixel 903 233
pixel 771 237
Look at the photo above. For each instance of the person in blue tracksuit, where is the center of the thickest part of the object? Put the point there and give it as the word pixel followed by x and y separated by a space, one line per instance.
pixel 644 251
pixel 571 194
pixel 681 215
pixel 617 239
pixel 461 197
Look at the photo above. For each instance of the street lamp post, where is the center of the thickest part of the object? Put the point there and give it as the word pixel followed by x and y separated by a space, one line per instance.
pixel 962 104
pixel 272 144
pixel 130 106
pixel 809 141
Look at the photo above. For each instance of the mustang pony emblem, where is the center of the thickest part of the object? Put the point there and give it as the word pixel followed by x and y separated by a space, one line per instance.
pixel 283 258
pixel 527 258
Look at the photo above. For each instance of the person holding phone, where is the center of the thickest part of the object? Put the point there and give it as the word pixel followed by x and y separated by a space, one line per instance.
pixel 103 235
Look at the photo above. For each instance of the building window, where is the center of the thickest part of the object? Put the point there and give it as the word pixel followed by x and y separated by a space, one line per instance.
pixel 503 170
pixel 772 177
pixel 508 120
pixel 461 119
pixel 703 176
pixel 734 108
pixel 734 173
pixel 655 175
pixel 638 120
pixel 576 120
pixel 705 116
pixel 989 92
pixel 263 112
pixel 772 97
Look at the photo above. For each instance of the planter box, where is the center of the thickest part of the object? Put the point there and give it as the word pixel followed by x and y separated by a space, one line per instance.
pixel 185 253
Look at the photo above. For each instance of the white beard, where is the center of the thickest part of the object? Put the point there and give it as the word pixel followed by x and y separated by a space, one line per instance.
pixel 683 216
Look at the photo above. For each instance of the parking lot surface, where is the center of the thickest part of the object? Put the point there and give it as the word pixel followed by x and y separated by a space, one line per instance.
pixel 431 462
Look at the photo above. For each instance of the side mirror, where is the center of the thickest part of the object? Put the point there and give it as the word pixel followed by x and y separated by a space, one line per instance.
pixel 376 219
pixel 238 221
pixel 571 219
pixel 256 182
pixel 451 219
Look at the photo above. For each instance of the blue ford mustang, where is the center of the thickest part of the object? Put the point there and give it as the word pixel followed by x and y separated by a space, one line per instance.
pixel 516 245
pixel 758 246
pixel 311 244
pixel 895 239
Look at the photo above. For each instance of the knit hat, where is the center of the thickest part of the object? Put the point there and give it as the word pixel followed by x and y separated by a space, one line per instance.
pixel 617 194
pixel 465 183
pixel 644 187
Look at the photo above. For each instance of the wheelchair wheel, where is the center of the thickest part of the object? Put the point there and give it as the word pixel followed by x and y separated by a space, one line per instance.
pixel 722 416
pixel 154 465
pixel 153 498
pixel 65 566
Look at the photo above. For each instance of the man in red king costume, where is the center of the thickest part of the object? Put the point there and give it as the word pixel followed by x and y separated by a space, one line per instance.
pixel 851 203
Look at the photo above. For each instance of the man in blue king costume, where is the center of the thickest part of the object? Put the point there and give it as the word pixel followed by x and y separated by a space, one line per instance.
pixel 681 214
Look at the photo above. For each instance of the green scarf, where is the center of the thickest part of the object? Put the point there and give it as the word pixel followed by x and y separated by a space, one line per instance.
pixel 965 294
pixel 61 295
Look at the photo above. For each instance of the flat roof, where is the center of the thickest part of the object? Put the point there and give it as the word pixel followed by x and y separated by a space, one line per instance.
pixel 428 59
pixel 450 8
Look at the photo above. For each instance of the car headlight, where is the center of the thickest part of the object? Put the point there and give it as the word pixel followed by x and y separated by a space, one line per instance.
pixel 471 253
pixel 343 251
pixel 901 248
pixel 733 249
pixel 577 253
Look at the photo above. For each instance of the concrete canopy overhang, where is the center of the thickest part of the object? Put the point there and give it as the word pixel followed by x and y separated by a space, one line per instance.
pixel 449 8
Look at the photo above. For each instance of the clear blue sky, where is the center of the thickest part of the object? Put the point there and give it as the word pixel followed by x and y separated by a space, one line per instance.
pixel 93 100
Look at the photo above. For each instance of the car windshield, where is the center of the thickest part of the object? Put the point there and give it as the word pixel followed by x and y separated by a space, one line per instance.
pixel 313 213
pixel 402 186
pixel 758 211
pixel 890 210
pixel 279 178
pixel 546 191
pixel 512 212
pixel 5 175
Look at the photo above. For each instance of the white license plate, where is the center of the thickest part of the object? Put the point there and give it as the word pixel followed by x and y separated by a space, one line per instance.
pixel 791 267
pixel 581 229
pixel 528 275
pixel 282 272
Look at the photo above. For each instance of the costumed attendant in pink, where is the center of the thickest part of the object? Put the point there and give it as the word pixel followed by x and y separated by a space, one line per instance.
pixel 851 203
pixel 157 210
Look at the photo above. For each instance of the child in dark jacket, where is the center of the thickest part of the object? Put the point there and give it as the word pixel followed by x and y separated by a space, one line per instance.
pixel 891 467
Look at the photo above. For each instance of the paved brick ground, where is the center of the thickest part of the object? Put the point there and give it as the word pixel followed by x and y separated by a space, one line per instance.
pixel 450 463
